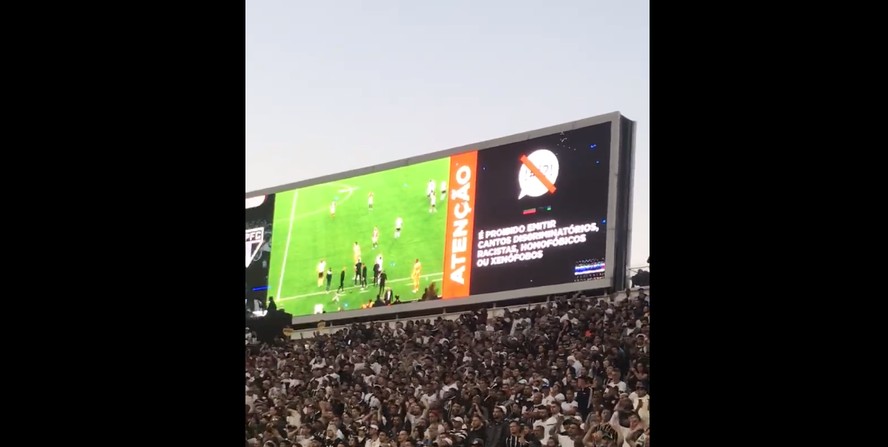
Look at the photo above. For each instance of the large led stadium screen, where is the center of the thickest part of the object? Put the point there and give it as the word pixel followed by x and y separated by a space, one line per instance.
pixel 515 216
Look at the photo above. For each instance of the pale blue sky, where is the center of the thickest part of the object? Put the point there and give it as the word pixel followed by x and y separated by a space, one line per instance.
pixel 345 84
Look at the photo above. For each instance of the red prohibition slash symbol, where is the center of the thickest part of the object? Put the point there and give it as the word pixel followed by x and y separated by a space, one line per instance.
pixel 539 174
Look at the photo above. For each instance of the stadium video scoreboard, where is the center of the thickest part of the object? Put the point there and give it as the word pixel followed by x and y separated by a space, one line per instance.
pixel 537 213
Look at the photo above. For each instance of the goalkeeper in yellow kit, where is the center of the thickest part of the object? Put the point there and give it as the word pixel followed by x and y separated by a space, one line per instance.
pixel 417 270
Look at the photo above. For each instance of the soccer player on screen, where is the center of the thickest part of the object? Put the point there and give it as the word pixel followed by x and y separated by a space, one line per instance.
pixel 432 199
pixel 398 223
pixel 333 209
pixel 443 189
pixel 375 237
pixel 430 190
pixel 370 201
pixel 341 282
pixel 382 277
pixel 375 274
pixel 417 271
pixel 322 267
pixel 356 253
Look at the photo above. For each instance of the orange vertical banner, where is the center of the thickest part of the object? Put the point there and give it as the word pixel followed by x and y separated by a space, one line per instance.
pixel 460 223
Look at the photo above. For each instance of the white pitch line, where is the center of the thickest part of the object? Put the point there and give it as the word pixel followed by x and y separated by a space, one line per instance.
pixel 287 247
pixel 278 300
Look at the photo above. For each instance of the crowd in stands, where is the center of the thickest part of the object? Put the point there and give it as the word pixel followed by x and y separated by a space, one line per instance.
pixel 568 373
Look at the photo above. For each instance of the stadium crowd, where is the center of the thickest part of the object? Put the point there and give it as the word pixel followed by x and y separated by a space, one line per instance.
pixel 567 373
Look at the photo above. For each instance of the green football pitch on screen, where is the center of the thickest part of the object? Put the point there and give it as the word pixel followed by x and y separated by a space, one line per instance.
pixel 306 231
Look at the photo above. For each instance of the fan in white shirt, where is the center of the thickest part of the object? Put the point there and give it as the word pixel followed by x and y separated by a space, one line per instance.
pixel 430 396
pixel 640 402
pixel 275 392
pixel 414 414
pixel 569 402
pixel 304 436
pixel 615 381
pixel 372 438
pixel 635 425
pixel 553 396
pixel 294 418
pixel 452 386
pixel 318 362
pixel 371 400
pixel 577 366
pixel 522 322
pixel 571 429
pixel 552 424
pixel 331 373
pixel 250 398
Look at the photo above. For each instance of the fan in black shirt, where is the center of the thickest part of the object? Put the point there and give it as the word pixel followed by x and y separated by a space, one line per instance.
pixel 515 437
pixel 583 394
pixel 476 431
pixel 398 424
pixel 611 398
pixel 528 405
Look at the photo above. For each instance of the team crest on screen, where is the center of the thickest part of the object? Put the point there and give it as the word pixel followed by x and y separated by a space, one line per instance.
pixel 255 238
